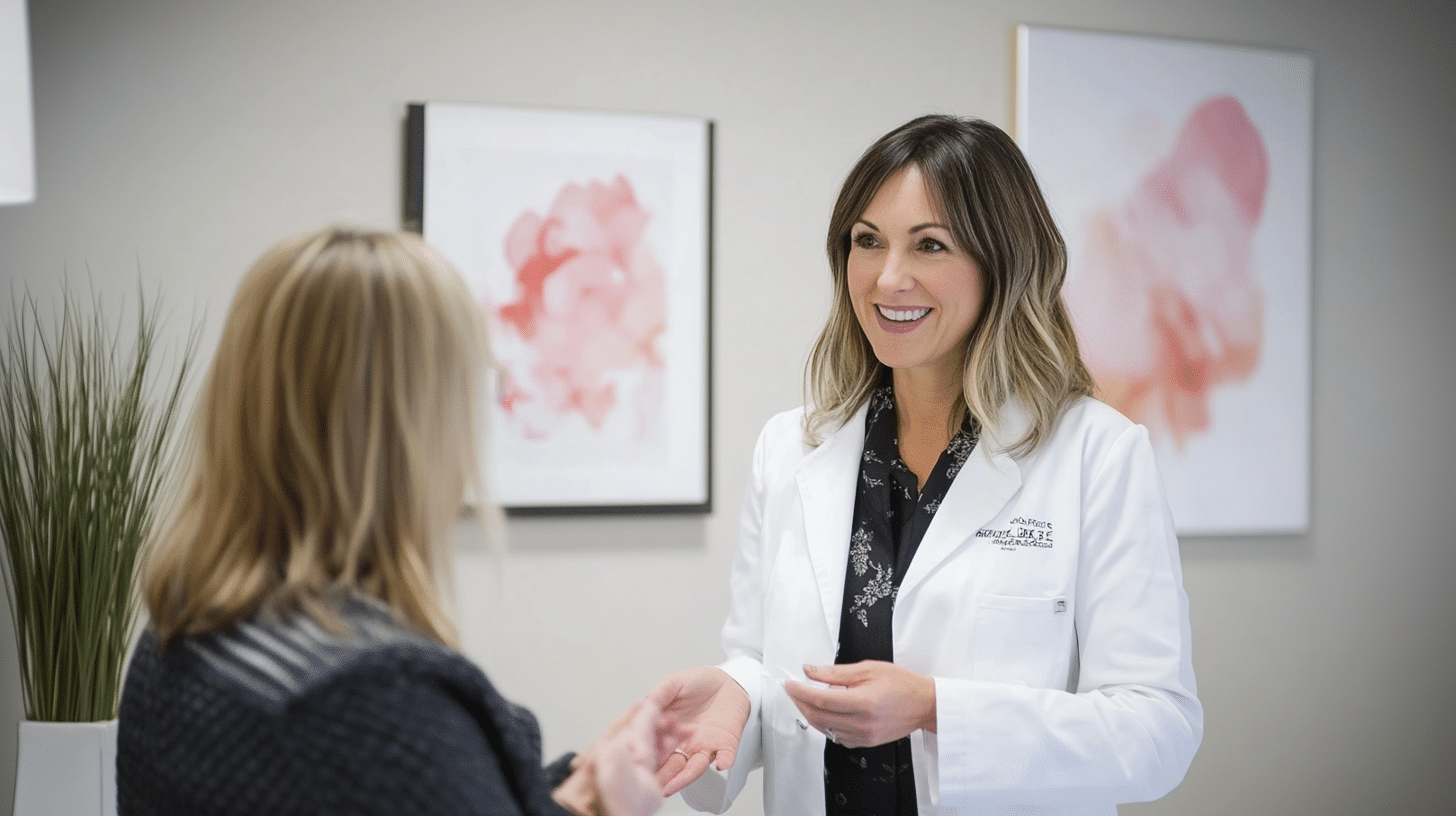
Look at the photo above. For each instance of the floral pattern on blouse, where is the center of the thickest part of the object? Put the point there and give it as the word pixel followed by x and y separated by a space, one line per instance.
pixel 891 515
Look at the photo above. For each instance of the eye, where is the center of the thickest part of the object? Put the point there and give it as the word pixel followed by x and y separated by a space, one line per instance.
pixel 928 244
pixel 865 240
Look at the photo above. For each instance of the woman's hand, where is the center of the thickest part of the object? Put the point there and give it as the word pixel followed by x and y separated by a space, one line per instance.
pixel 871 702
pixel 705 710
pixel 627 763
pixel 616 776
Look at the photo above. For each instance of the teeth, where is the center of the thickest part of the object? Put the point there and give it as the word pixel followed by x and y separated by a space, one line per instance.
pixel 903 315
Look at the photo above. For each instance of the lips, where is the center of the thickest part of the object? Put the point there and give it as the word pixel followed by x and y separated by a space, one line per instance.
pixel 900 320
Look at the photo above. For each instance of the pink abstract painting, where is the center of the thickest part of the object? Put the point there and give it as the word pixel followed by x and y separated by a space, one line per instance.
pixel 584 237
pixel 1180 175
pixel 1167 306
pixel 589 305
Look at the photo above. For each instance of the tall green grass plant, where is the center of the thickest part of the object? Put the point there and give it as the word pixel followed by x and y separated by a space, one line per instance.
pixel 83 450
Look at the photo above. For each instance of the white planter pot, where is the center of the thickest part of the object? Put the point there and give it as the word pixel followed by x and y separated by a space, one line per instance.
pixel 66 769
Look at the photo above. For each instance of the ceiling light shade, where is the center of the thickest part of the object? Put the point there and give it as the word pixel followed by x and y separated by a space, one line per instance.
pixel 17 132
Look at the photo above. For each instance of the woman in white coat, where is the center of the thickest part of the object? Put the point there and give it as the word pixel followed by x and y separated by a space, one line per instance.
pixel 958 587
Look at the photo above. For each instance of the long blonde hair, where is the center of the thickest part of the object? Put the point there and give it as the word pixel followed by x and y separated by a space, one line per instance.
pixel 1022 344
pixel 333 438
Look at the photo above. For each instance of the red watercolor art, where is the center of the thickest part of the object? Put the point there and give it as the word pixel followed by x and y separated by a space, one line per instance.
pixel 1168 306
pixel 589 311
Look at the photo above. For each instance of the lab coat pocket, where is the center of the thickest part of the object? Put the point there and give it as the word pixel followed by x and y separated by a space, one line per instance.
pixel 1021 640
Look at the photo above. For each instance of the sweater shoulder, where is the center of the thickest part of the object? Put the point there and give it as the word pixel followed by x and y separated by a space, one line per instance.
pixel 279 661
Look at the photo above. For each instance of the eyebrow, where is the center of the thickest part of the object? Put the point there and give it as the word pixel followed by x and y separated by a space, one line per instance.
pixel 914 229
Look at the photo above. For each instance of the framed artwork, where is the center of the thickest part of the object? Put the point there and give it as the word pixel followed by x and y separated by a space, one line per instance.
pixel 1180 175
pixel 585 239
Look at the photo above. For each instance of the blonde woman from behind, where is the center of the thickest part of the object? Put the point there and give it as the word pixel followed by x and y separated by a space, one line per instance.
pixel 299 658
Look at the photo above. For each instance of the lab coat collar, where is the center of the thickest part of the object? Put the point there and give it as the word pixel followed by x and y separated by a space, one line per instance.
pixel 827 477
pixel 987 482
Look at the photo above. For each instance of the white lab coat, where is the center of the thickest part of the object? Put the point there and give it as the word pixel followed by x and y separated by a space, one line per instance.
pixel 1046 599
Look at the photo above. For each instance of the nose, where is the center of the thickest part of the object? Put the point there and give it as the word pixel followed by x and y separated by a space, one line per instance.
pixel 894 275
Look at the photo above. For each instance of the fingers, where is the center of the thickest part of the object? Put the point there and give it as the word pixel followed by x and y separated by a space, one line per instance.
pixel 627 719
pixel 833 675
pixel 646 723
pixel 688 684
pixel 844 712
pixel 703 715
pixel 667 690
pixel 688 768
pixel 627 788
pixel 844 674
pixel 671 765
pixel 625 778
pixel 818 702
pixel 683 764
pixel 723 759
pixel 623 719
pixel 837 726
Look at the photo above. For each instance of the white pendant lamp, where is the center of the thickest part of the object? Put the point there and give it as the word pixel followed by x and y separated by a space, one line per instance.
pixel 17 132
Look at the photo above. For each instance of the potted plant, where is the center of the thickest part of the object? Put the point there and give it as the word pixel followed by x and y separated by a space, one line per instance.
pixel 83 448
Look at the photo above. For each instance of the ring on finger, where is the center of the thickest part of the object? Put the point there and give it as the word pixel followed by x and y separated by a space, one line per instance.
pixel 681 751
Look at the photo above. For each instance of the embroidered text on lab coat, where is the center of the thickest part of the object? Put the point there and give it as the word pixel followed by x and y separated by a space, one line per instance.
pixel 1022 531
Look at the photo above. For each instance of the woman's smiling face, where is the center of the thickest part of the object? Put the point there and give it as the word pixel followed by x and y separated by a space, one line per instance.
pixel 916 293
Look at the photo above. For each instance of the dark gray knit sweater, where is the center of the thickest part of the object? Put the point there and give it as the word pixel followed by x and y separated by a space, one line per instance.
pixel 283 717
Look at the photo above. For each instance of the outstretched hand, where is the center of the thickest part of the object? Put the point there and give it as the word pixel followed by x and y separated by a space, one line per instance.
pixel 705 710
pixel 868 703
pixel 617 773
pixel 626 761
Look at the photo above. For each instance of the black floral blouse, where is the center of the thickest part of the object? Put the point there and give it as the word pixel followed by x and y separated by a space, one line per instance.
pixel 890 517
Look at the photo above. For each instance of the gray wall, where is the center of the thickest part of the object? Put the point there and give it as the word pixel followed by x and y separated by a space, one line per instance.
pixel 181 138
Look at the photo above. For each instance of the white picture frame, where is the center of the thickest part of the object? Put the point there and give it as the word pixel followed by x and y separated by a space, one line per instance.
pixel 585 237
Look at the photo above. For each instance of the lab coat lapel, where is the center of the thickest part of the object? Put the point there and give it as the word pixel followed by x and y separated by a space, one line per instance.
pixel 827 477
pixel 982 488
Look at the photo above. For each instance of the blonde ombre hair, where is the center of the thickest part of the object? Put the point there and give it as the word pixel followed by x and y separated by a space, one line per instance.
pixel 334 435
pixel 1022 345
